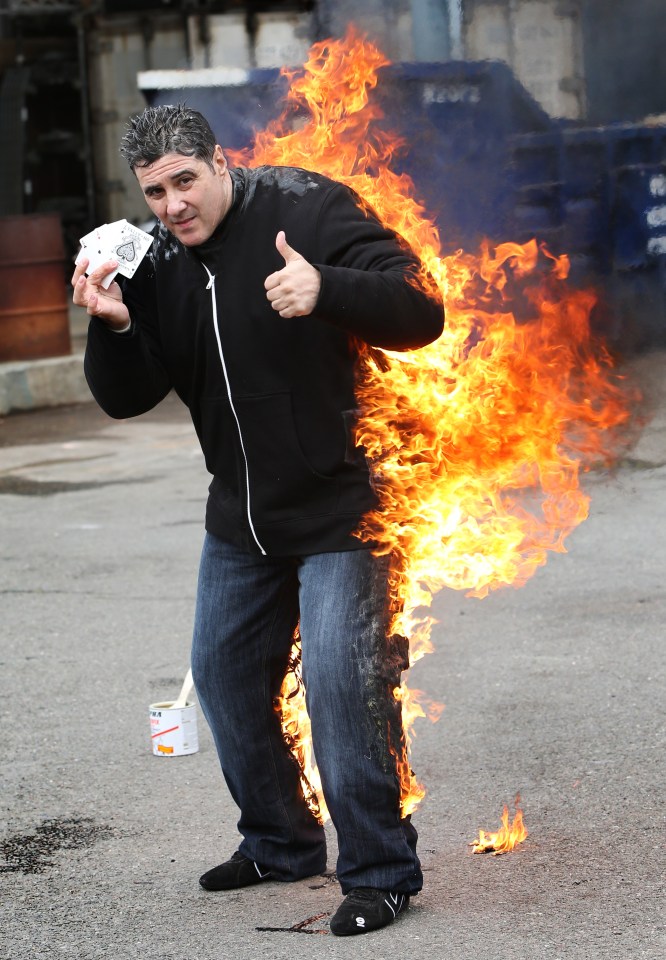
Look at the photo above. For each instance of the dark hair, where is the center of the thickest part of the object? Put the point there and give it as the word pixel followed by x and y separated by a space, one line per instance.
pixel 167 129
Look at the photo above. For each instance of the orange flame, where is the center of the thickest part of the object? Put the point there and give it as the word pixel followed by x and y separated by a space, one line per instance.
pixel 477 441
pixel 506 838
pixel 295 723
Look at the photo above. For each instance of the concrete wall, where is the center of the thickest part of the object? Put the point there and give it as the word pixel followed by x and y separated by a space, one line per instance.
pixel 274 40
pixel 540 39
pixel 118 48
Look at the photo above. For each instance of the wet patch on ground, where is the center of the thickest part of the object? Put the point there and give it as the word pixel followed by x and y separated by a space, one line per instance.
pixel 25 487
pixel 634 463
pixel 31 852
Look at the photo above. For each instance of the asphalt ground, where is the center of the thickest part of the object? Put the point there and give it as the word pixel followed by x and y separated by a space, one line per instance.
pixel 554 691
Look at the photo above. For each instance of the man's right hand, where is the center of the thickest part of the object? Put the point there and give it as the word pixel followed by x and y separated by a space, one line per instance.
pixel 106 304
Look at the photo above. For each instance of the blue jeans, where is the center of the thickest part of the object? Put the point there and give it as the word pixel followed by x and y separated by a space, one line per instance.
pixel 247 610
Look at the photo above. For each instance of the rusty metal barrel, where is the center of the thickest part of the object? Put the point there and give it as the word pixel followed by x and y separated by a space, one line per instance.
pixel 34 315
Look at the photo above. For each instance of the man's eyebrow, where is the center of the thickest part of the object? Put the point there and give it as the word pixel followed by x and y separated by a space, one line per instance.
pixel 152 187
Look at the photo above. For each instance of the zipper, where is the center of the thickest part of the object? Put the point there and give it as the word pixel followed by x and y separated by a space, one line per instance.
pixel 211 286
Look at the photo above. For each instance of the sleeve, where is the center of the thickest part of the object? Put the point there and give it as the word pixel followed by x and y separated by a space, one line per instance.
pixel 370 285
pixel 125 371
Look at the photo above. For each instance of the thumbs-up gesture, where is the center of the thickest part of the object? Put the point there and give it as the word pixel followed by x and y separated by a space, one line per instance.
pixel 292 291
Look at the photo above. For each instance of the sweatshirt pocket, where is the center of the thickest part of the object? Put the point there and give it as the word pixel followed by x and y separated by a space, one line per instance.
pixel 283 484
pixel 221 446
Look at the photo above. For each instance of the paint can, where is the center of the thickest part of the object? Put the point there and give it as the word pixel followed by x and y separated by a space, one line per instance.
pixel 173 730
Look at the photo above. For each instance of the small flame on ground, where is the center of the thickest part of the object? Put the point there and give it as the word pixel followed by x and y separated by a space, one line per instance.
pixel 476 442
pixel 506 838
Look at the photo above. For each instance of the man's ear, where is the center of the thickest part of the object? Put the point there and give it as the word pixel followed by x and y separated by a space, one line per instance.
pixel 219 160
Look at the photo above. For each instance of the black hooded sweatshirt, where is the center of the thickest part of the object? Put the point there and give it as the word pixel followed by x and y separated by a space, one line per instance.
pixel 271 399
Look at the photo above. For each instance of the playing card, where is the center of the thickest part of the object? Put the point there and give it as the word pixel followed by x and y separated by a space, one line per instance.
pixel 93 236
pixel 119 241
pixel 130 245
pixel 97 253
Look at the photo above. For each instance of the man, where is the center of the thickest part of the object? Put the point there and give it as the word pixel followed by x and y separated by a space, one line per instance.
pixel 250 305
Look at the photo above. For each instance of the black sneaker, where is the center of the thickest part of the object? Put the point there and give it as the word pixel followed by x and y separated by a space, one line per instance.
pixel 365 908
pixel 236 872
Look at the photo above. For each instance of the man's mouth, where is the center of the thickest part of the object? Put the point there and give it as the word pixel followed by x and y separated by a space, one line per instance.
pixel 182 223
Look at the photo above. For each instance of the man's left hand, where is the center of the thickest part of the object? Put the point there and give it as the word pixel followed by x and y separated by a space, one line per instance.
pixel 293 291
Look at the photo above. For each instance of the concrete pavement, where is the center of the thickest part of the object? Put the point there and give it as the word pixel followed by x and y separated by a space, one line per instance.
pixel 555 690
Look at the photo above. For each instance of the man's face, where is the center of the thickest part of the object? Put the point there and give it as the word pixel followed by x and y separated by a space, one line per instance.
pixel 189 197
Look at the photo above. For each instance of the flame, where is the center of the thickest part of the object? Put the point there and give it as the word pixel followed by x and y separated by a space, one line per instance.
pixel 295 722
pixel 476 442
pixel 506 838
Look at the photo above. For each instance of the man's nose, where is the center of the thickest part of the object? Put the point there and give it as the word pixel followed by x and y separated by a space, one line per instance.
pixel 175 205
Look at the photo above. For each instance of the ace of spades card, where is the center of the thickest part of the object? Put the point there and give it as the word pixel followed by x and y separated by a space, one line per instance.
pixel 119 241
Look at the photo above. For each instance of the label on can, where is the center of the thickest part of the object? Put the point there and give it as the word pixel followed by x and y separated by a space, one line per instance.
pixel 173 732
